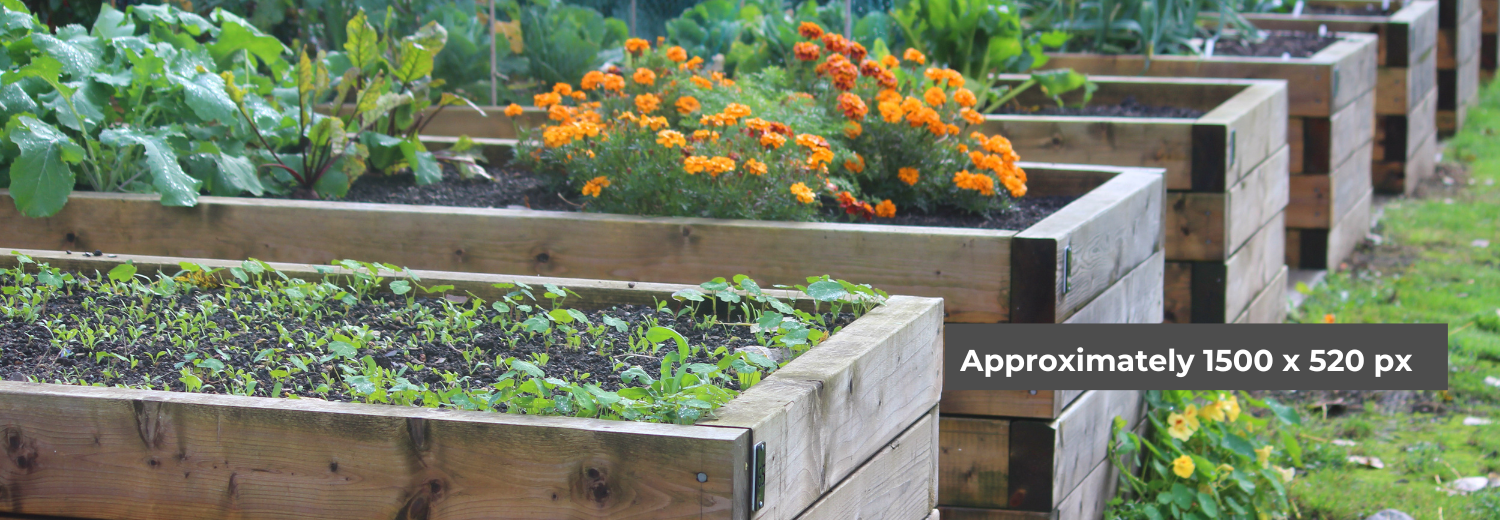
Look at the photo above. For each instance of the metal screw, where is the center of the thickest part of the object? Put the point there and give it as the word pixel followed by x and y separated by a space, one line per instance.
pixel 702 477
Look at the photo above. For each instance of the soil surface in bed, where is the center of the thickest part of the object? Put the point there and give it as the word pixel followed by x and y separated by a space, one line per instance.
pixel 1294 44
pixel 1128 107
pixel 520 189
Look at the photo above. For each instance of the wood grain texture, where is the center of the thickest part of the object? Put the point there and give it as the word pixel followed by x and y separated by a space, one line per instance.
pixel 835 406
pixel 899 482
pixel 1136 298
pixel 1088 500
pixel 1397 137
pixel 1351 129
pixel 1100 238
pixel 1038 404
pixel 1351 182
pixel 1152 142
pixel 1460 44
pixel 1349 231
pixel 1177 293
pixel 1211 226
pixel 1318 200
pixel 1082 435
pixel 1310 81
pixel 1270 306
pixel 133 454
pixel 974 466
pixel 1253 267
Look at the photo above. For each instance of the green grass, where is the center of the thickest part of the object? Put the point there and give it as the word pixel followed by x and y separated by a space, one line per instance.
pixel 1426 270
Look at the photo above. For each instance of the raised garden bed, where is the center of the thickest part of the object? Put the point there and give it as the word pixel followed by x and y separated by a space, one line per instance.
pixel 850 423
pixel 1460 37
pixel 1097 259
pixel 1226 175
pixel 1410 54
pixel 1331 113
pixel 1489 44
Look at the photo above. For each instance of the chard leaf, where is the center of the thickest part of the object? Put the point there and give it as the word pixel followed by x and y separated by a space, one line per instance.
pixel 90 112
pixel 423 164
pixel 175 186
pixel 41 178
pixel 237 173
pixel 415 62
pixel 362 43
pixel 112 23
pixel 236 38
pixel 205 95
pixel 14 101
pixel 78 56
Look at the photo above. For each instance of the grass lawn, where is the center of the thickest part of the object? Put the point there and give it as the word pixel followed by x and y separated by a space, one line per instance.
pixel 1430 265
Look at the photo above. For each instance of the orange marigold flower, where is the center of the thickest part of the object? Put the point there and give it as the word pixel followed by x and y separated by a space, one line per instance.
pixel 562 89
pixel 984 184
pixel 654 122
pixel 998 144
pixel 692 64
pixel 856 165
pixel 811 141
pixel 591 80
pixel 870 68
pixel 955 79
pixel 935 96
pixel 810 30
pixel 513 110
pixel 560 113
pixel 687 105
pixel 853 129
pixel 852 106
pixel 772 140
pixel 722 80
pixel 594 186
pixel 757 124
pixel 694 165
pixel 736 110
pixel 857 52
pixel 908 176
pixel 555 136
pixel 887 79
pixel 1016 186
pixel 820 158
pixel 614 82
pixel 965 98
pixel 702 83
pixel 705 135
pixel 835 43
pixel 644 76
pixel 888 95
pixel 971 116
pixel 885 209
pixel 647 103
pixel 936 75
pixel 780 128
pixel 1328 318
pixel 890 111
pixel 914 55
pixel 806 51
pixel 952 129
pixel 677 54
pixel 637 45
pixel 804 194
pixel 755 167
pixel 670 138
pixel 890 61
pixel 718 165
pixel 579 95
pixel 546 99
pixel 962 148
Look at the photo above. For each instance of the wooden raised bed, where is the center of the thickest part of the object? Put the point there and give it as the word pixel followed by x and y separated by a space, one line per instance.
pixel 1459 41
pixel 1406 90
pixel 1098 259
pixel 1489 44
pixel 850 424
pixel 1330 132
pixel 1025 469
pixel 1226 176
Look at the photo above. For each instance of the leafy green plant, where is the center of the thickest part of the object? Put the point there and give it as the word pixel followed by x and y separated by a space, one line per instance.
pixel 1148 27
pixel 771 32
pixel 1204 459
pixel 563 42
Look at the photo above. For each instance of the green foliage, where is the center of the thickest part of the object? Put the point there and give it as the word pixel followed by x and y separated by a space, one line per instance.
pixel 1205 459
pixel 203 315
pixel 1148 27
pixel 563 42
pixel 760 34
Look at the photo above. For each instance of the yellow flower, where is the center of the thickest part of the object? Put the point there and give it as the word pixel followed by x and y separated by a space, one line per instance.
pixel 695 164
pixel 803 193
pixel 670 138
pixel 562 89
pixel 1191 414
pixel 1183 466
pixel 1231 407
pixel 647 103
pixel 755 167
pixel 693 64
pixel 885 209
pixel 644 76
pixel 908 176
pixel 1178 428
pixel 677 54
pixel 513 110
pixel 1286 473
pixel 718 165
pixel 1263 456
pixel 891 112
pixel 1212 412
pixel 594 185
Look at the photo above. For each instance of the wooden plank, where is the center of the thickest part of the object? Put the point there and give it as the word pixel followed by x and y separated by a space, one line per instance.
pixel 1403 177
pixel 1397 137
pixel 1310 202
pixel 1041 404
pixel 1092 243
pixel 961 513
pixel 1177 298
pixel 837 405
pixel 1082 435
pixel 1397 88
pixel 1256 123
pixel 973 470
pixel 1089 500
pixel 1252 267
pixel 1210 226
pixel 123 454
pixel 1136 298
pixel 899 482
pixel 1295 136
pixel 1310 80
pixel 1117 141
pixel 1270 305
pixel 1351 128
pixel 1351 182
pixel 1348 232
pixel 1459 45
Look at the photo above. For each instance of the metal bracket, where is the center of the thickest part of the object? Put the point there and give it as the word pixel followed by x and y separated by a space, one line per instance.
pixel 758 477
pixel 1067 282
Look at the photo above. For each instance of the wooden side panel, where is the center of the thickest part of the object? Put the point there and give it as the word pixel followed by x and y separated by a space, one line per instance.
pixel 1082 435
pixel 94 452
pixel 1397 88
pixel 1351 182
pixel 1250 269
pixel 1088 500
pixel 1136 298
pixel 899 482
pixel 1040 404
pixel 1295 137
pixel 1270 305
pixel 1155 143
pixel 1257 123
pixel 1351 128
pixel 1460 44
pixel 837 405
pixel 1349 231
pixel 1178 293
pixel 1256 199
pixel 1310 202
pixel 975 462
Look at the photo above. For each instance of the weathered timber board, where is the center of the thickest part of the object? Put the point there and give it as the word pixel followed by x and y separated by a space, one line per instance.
pixel 1348 232
pixel 1177 292
pixel 1136 298
pixel 1211 226
pixel 1270 305
pixel 1219 291
pixel 1318 200
pixel 1397 137
pixel 1490 40
pixel 1460 44
pixel 1244 123
pixel 899 482
pixel 1034 404
pixel 1311 83
pixel 974 466
pixel 1321 145
pixel 807 413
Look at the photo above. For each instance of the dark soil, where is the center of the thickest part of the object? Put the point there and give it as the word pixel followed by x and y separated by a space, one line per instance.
pixel 1296 44
pixel 1128 107
pixel 1334 403
pixel 518 189
pixel 26 348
